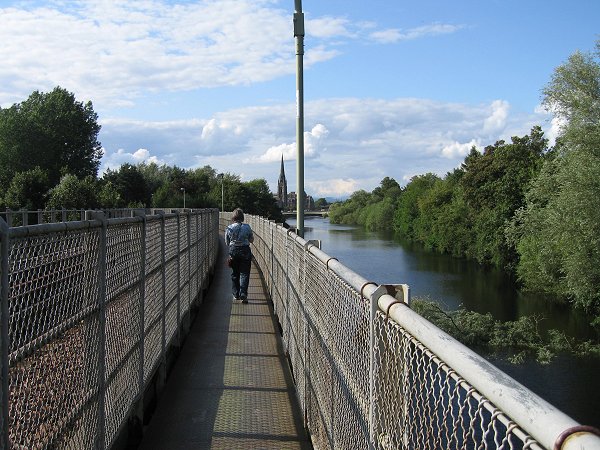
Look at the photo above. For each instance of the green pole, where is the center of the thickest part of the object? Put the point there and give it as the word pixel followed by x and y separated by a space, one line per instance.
pixel 299 35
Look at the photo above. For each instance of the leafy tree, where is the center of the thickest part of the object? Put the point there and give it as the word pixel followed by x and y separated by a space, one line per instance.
pixel 257 199
pixel 348 212
pixel 109 197
pixel 27 190
pixel 52 131
pixel 521 339
pixel 74 193
pixel 321 203
pixel 557 233
pixel 408 209
pixel 130 184
pixel 494 185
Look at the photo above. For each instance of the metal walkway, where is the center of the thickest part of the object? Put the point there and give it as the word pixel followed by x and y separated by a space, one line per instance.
pixel 231 387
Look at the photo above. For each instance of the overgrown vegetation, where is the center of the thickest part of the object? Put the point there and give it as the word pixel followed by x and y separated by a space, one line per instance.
pixel 520 339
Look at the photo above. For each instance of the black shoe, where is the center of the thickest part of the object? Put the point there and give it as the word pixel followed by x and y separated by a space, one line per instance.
pixel 244 300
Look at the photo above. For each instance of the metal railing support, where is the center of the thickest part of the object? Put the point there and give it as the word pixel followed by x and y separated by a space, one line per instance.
pixel 142 309
pixel 4 246
pixel 101 357
pixel 178 295
pixel 163 275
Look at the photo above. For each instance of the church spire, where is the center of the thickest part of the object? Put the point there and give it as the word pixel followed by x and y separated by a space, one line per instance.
pixel 282 197
pixel 282 171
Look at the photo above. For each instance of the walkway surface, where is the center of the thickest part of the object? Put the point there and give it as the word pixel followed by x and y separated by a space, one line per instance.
pixel 231 386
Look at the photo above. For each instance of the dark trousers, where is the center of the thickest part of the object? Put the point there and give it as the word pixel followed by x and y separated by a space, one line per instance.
pixel 240 271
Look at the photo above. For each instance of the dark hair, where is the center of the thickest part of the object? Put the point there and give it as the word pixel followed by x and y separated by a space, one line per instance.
pixel 238 215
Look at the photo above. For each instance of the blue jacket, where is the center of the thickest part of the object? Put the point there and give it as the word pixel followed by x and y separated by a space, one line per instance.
pixel 238 234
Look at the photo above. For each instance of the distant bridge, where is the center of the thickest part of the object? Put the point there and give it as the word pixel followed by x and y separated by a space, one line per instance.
pixel 307 213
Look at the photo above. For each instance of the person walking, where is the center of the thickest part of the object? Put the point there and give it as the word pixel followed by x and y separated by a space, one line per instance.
pixel 238 237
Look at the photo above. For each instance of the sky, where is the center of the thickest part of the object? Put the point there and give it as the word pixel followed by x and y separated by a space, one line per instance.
pixel 392 88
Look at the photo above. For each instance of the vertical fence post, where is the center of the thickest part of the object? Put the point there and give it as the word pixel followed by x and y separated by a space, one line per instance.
pixel 198 256
pixel 190 298
pixel 4 244
pixel 178 278
pixel 272 229
pixel 101 304
pixel 163 274
pixel 373 316
pixel 142 303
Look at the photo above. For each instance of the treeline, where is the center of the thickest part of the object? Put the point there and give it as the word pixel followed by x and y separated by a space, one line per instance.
pixel 531 210
pixel 50 155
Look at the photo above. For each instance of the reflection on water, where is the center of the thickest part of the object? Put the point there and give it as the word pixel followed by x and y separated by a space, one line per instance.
pixel 452 282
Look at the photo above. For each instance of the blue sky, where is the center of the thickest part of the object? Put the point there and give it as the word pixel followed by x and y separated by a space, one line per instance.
pixel 392 88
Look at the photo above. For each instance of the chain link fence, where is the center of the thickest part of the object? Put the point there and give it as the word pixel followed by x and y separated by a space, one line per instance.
pixel 88 312
pixel 371 373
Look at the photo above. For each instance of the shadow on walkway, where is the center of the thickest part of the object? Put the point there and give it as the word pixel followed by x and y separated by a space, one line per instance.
pixel 231 386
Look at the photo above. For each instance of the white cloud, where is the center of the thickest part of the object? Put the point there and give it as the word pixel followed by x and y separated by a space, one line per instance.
pixel 458 150
pixel 113 160
pixel 119 50
pixel 312 144
pixel 335 187
pixel 496 121
pixel 115 52
pixel 393 35
pixel 327 27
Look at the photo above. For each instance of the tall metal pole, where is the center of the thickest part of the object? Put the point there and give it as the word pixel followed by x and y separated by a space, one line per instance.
pixel 299 35
pixel 183 190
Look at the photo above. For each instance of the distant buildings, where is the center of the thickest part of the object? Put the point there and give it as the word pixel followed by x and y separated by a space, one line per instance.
pixel 309 203
pixel 288 201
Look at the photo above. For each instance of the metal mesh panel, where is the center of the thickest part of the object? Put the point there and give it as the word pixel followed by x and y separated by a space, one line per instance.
pixel 184 264
pixel 339 364
pixel 76 295
pixel 172 297
pixel 195 259
pixel 123 327
pixel 433 406
pixel 171 231
pixel 51 280
pixel 152 323
pixel 52 333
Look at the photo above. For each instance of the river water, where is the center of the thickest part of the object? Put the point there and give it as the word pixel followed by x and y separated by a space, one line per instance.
pixel 571 384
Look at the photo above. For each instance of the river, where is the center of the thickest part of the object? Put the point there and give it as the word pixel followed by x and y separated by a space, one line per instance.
pixel 571 384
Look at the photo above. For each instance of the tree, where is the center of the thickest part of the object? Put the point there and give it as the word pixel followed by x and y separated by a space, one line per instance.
pixel 408 209
pixel 27 190
pixel 494 185
pixel 52 131
pixel 557 232
pixel 130 184
pixel 74 193
pixel 321 203
pixel 257 199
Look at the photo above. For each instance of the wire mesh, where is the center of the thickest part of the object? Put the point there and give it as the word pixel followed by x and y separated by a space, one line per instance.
pixel 75 339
